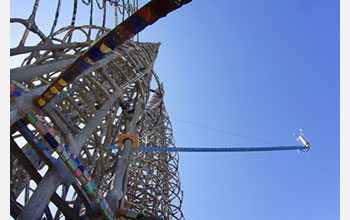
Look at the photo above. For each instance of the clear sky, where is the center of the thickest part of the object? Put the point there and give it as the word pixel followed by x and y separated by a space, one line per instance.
pixel 261 69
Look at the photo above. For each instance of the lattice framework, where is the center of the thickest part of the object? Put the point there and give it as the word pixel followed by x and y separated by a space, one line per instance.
pixel 112 98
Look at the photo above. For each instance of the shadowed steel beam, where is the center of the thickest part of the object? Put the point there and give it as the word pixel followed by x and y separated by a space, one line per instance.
pixel 121 164
pixel 15 210
pixel 27 73
pixel 41 197
pixel 22 49
pixel 34 174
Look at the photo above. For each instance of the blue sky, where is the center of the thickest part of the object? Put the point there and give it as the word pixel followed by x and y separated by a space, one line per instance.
pixel 261 69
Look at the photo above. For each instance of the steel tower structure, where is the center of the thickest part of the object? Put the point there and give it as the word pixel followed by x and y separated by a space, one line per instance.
pixel 79 89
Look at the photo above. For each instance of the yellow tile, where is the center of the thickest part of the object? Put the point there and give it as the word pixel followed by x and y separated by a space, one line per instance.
pixel 53 89
pixel 104 48
pixel 41 102
pixel 62 82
